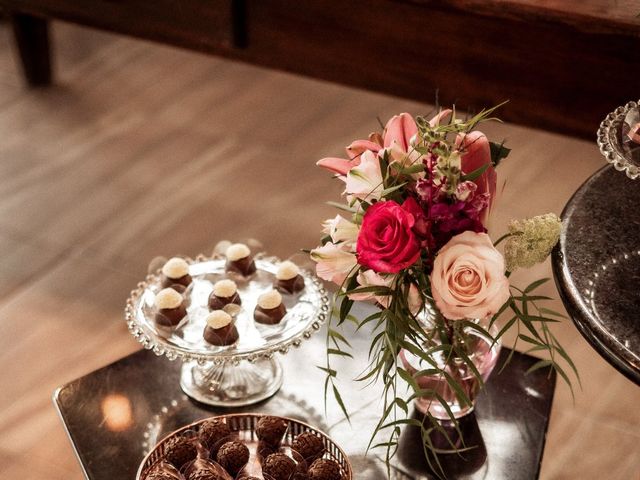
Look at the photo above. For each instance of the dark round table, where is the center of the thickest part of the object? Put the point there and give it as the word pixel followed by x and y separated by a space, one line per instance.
pixel 596 266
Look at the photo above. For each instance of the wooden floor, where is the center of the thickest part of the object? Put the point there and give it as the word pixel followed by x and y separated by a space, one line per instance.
pixel 141 150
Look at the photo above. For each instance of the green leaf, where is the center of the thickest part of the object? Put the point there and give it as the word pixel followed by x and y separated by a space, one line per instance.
pixel 335 351
pixel 336 394
pixel 338 336
pixel 533 341
pixel 408 378
pixel 411 169
pixel 548 311
pixel 328 371
pixel 498 152
pixel 567 358
pixel 533 298
pixel 389 190
pixel 342 206
pixel 475 174
pixel 375 290
pixel 536 284
pixel 538 365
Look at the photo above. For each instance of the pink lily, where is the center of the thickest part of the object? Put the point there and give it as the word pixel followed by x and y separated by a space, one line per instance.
pixel 341 166
pixel 476 152
pixel 399 131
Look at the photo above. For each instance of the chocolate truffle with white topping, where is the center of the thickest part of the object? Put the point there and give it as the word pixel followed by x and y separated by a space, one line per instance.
pixel 224 292
pixel 176 272
pixel 270 310
pixel 171 307
pixel 288 278
pixel 239 260
pixel 220 329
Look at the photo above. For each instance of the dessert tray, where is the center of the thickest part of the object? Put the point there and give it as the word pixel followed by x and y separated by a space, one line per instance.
pixel 245 372
pixel 245 428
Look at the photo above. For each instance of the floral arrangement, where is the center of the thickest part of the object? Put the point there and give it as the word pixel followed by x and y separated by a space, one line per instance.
pixel 412 238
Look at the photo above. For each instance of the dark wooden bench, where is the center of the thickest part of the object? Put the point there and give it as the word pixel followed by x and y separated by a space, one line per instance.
pixel 563 64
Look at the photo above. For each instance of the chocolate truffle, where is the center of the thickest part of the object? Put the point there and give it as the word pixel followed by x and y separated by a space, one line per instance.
pixel 179 451
pixel 224 292
pixel 239 260
pixel 270 309
pixel 264 450
pixel 307 447
pixel 171 307
pixel 176 271
pixel 324 469
pixel 203 469
pixel 220 329
pixel 271 430
pixel 163 471
pixel 213 433
pixel 279 467
pixel 157 475
pixel 232 456
pixel 288 278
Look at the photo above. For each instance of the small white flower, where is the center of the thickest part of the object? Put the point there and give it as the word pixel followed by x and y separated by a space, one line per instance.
pixel 532 240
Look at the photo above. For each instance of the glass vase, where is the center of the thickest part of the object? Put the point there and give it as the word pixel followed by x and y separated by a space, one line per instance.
pixel 479 349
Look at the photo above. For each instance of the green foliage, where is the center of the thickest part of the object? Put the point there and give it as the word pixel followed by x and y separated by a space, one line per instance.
pixel 395 328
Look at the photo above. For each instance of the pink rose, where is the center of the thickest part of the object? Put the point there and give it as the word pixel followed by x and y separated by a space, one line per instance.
pixel 468 279
pixel 386 242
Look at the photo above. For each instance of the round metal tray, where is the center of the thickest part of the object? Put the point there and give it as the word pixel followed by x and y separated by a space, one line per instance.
pixel 244 425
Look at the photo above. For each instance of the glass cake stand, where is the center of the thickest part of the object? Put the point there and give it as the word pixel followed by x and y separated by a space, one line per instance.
pixel 619 139
pixel 246 372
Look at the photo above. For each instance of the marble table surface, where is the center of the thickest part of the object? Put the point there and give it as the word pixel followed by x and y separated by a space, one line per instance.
pixel 597 266
pixel 116 414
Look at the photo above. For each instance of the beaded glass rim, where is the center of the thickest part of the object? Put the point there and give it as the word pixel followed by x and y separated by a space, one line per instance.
pixel 160 346
pixel 611 153
pixel 248 421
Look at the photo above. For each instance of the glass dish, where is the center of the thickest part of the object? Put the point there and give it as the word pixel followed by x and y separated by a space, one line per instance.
pixel 618 139
pixel 243 373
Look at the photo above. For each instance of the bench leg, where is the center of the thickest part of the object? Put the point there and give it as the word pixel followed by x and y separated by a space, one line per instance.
pixel 32 39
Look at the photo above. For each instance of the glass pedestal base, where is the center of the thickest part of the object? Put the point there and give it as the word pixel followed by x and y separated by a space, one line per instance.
pixel 231 385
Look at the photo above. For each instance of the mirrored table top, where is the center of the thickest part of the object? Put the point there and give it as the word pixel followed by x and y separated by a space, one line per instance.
pixel 116 414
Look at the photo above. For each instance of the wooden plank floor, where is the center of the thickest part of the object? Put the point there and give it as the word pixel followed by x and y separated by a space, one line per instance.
pixel 141 150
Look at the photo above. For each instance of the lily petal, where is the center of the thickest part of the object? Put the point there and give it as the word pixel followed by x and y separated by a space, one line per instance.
pixel 477 153
pixel 400 129
pixel 336 165
pixel 435 121
pixel 358 147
